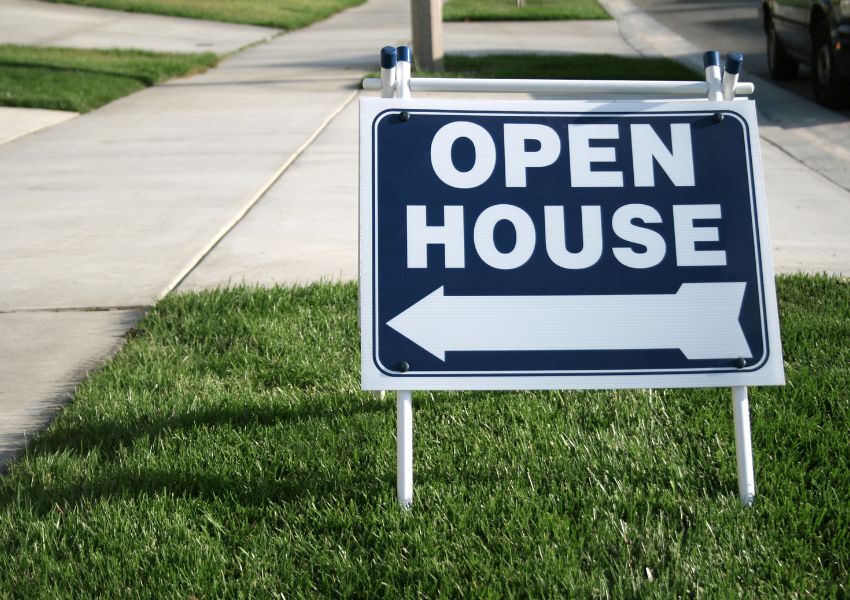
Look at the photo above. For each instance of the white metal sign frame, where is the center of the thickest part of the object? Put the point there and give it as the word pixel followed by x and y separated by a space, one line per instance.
pixel 719 86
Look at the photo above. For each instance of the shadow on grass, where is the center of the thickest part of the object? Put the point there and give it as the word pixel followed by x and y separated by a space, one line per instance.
pixel 107 437
pixel 278 485
pixel 263 479
pixel 113 476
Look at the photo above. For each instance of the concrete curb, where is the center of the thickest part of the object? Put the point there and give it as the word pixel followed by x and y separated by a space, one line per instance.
pixel 16 122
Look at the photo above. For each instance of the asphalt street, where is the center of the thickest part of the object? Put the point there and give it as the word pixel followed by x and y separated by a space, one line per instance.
pixel 728 26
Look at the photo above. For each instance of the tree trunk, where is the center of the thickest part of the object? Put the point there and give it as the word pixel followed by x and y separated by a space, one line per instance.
pixel 427 19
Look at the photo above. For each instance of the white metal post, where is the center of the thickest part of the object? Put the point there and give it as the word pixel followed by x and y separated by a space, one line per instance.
pixel 404 416
pixel 730 75
pixel 402 76
pixel 711 61
pixel 743 445
pixel 388 67
pixel 740 401
pixel 404 448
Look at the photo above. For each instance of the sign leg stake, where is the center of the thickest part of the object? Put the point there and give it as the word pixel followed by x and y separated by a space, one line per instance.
pixel 740 401
pixel 404 448
pixel 743 445
pixel 404 418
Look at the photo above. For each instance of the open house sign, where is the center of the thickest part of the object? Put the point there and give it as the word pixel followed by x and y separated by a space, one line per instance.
pixel 523 245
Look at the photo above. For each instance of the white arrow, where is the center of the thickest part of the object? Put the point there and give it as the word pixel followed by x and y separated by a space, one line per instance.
pixel 701 320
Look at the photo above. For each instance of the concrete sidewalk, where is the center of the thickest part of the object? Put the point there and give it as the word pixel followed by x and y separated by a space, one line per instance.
pixel 105 213
pixel 541 37
pixel 813 135
pixel 33 23
pixel 36 23
pixel 18 122
pixel 304 228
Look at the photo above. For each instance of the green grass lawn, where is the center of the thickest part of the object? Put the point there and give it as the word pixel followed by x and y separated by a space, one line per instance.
pixel 559 66
pixel 534 10
pixel 227 451
pixel 283 14
pixel 82 80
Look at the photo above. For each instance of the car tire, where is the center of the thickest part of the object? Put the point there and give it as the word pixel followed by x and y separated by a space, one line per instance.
pixel 779 62
pixel 831 89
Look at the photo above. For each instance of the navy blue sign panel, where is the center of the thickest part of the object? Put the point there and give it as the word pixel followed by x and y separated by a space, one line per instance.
pixel 505 246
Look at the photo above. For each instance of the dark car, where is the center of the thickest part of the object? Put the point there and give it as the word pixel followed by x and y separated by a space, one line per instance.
pixel 816 33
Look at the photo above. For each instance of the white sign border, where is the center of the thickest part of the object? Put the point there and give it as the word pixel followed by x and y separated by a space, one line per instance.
pixel 770 372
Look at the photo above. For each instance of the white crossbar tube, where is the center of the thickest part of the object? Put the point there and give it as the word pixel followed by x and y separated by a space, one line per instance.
pixel 561 86
pixel 404 448
pixel 743 445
